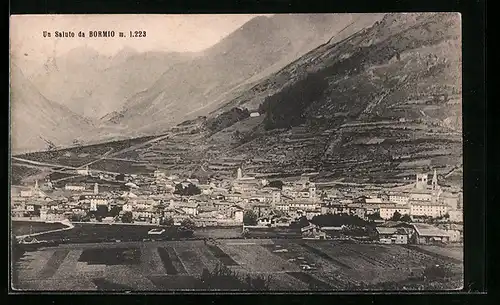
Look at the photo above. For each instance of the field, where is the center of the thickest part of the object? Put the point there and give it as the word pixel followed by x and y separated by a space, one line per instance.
pixel 28 227
pixel 177 265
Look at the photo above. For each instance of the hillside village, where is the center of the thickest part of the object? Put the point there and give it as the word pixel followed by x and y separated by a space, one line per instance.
pixel 256 205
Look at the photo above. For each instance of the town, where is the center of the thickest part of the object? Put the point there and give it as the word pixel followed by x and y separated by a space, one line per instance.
pixel 419 212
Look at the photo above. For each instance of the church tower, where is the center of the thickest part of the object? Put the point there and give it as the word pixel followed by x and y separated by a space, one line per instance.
pixel 96 189
pixel 36 184
pixel 239 174
pixel 434 181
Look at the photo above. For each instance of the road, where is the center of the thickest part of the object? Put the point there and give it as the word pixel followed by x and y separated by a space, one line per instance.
pixel 99 159
pixel 109 154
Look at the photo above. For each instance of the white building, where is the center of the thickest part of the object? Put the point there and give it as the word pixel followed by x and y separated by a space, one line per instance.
pixel 238 216
pixel 282 206
pixel 189 208
pixel 387 211
pixel 428 209
pixel 399 199
pixel 159 174
pixel 74 187
pixel 254 114
pixel 456 215
pixel 304 205
pixel 83 172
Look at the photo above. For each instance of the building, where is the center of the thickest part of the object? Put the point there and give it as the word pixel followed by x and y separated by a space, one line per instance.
pixel 401 199
pixel 261 209
pixel 238 216
pixel 83 172
pixel 392 235
pixel 282 206
pixel 159 174
pixel 94 201
pixel 304 205
pixel 428 209
pixel 387 211
pixel 421 181
pixel 74 187
pixel 428 234
pixel 276 197
pixel 456 215
pixel 254 114
pixel 189 208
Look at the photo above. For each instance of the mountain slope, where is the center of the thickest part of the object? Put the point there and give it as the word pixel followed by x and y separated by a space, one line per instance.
pixel 376 106
pixel 382 103
pixel 258 48
pixel 35 119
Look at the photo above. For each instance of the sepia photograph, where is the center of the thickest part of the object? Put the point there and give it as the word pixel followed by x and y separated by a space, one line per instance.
pixel 236 152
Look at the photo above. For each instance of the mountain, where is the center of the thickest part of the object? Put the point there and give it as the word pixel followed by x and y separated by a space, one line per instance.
pixel 35 120
pixel 93 85
pixel 380 104
pixel 376 105
pixel 260 47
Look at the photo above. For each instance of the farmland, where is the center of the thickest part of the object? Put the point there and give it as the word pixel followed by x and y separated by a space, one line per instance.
pixel 178 265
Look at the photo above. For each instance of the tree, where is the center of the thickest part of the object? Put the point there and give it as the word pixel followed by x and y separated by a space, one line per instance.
pixel 406 218
pixel 101 212
pixel 374 216
pixel 189 224
pixel 167 221
pixel 249 218
pixel 396 216
pixel 276 183
pixel 189 190
pixel 127 217
pixel 436 272
pixel 332 220
pixel 114 211
pixel 300 223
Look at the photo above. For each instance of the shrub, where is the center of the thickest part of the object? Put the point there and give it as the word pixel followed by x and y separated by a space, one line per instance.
pixel 249 218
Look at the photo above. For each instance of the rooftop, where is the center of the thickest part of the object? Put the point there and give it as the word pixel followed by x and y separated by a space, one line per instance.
pixel 429 230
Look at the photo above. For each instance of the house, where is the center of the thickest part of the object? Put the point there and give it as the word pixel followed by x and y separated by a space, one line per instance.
pixel 425 208
pixel 189 208
pixel 282 206
pixel 261 209
pixel 304 205
pixel 428 234
pixel 159 174
pixel 310 214
pixel 456 215
pixel 74 187
pixel 254 114
pixel 387 211
pixel 392 235
pixel 94 200
pixel 238 216
pixel 264 221
pixel 312 231
pixel 399 198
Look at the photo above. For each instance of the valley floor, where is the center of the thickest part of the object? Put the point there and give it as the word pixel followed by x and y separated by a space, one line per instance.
pixel 177 265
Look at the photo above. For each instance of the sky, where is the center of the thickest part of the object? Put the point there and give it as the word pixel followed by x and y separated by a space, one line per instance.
pixel 163 33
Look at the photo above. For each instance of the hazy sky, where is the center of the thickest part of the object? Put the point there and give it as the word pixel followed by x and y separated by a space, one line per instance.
pixel 163 33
